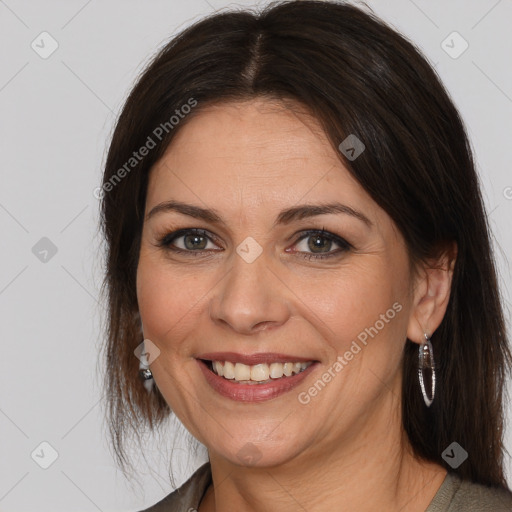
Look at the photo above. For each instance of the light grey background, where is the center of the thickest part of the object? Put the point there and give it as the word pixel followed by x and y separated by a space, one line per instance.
pixel 56 118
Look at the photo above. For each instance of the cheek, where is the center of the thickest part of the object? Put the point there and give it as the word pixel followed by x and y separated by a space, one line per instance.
pixel 342 303
pixel 349 300
pixel 166 300
pixel 364 313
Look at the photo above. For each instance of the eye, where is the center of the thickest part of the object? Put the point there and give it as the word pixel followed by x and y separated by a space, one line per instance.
pixel 195 242
pixel 190 241
pixel 319 242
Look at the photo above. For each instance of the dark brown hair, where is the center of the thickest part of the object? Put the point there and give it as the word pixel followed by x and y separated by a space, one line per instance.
pixel 356 75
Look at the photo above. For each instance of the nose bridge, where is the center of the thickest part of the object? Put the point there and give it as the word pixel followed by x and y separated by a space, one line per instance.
pixel 249 296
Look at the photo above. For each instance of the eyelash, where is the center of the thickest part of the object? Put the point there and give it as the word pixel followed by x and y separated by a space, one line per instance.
pixel 166 240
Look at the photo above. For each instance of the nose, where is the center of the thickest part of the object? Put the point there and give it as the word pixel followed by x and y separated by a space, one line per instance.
pixel 250 298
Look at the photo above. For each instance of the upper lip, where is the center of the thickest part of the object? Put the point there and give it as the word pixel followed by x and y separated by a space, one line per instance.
pixel 253 359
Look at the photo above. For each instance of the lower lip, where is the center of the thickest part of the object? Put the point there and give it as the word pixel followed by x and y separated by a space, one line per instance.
pixel 253 392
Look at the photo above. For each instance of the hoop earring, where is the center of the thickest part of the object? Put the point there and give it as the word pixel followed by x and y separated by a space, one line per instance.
pixel 426 365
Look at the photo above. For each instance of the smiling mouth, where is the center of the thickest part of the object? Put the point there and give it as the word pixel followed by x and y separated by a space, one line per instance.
pixel 256 374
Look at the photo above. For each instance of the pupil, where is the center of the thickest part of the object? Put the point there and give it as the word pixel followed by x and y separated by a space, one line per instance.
pixel 195 239
pixel 318 244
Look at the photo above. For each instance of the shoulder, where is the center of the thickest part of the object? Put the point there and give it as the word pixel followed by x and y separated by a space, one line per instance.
pixel 457 495
pixel 188 496
pixel 472 496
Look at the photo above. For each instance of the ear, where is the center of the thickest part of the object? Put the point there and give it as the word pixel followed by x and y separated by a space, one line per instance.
pixel 431 292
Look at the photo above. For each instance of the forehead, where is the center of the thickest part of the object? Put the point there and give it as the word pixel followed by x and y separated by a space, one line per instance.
pixel 258 132
pixel 258 146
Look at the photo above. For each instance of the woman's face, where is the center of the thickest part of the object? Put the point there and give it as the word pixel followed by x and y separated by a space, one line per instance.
pixel 254 283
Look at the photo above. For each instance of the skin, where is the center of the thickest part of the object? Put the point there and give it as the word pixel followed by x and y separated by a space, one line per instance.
pixel 345 449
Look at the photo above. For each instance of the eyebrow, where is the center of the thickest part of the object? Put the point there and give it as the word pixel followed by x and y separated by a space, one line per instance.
pixel 284 217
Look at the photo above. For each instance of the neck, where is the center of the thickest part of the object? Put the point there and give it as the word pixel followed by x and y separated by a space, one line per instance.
pixel 372 468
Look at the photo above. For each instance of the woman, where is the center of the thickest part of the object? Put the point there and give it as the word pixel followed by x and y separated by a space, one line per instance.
pixel 299 266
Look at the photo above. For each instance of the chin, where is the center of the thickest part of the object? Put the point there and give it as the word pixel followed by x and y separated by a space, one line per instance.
pixel 257 455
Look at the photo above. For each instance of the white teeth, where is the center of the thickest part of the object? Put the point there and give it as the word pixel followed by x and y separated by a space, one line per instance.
pixel 219 369
pixel 287 369
pixel 229 370
pixel 276 370
pixel 257 373
pixel 242 372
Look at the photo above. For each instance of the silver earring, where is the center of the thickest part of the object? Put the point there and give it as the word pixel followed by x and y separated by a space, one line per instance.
pixel 426 366
pixel 145 373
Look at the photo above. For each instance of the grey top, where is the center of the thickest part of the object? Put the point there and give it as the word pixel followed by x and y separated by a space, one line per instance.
pixel 454 495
